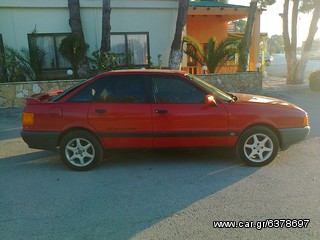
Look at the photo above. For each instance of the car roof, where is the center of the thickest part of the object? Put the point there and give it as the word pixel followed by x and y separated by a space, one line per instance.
pixel 144 71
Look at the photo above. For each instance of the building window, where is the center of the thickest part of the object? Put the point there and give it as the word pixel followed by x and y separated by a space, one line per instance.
pixel 50 43
pixel 132 48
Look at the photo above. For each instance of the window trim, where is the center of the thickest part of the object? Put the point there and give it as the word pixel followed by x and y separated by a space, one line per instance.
pixel 56 50
pixel 3 69
pixel 1 44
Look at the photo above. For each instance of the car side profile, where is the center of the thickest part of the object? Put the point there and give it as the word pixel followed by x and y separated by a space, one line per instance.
pixel 158 109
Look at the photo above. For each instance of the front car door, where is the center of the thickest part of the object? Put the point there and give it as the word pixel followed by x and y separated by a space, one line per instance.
pixel 180 118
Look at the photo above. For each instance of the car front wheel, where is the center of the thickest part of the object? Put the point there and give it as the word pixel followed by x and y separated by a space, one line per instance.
pixel 257 146
pixel 80 150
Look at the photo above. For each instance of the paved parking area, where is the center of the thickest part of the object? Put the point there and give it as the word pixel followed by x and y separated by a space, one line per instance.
pixel 158 194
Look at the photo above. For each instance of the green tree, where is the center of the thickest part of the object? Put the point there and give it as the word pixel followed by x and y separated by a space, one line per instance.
pixel 214 55
pixel 275 44
pixel 295 67
pixel 265 3
pixel 240 25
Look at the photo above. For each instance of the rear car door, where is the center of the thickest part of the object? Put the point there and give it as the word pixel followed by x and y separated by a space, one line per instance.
pixel 121 114
pixel 180 118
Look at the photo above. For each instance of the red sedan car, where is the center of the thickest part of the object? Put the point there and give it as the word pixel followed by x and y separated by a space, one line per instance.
pixel 158 109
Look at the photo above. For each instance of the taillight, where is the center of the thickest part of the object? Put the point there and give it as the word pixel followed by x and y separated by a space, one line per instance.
pixel 27 119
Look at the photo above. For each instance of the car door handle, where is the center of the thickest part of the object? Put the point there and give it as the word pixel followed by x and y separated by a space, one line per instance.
pixel 101 111
pixel 161 111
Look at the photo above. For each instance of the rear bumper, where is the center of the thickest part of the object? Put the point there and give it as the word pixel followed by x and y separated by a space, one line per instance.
pixel 289 136
pixel 41 140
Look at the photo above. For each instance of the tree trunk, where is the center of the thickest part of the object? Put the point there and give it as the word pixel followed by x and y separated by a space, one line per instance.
pixel 75 19
pixel 247 38
pixel 308 44
pixel 290 45
pixel 106 26
pixel 295 68
pixel 176 55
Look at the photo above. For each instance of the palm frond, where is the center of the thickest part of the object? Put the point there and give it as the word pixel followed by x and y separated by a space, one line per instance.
pixel 214 55
pixel 195 44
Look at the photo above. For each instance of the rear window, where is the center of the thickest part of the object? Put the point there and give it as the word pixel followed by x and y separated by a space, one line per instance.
pixel 88 93
pixel 66 92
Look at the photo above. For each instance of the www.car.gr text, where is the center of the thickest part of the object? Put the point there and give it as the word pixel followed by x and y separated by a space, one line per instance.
pixel 268 223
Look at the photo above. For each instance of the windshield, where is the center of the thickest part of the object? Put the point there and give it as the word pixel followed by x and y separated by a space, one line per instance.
pixel 219 93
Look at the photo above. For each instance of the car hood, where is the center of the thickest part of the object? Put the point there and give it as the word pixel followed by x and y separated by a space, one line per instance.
pixel 263 100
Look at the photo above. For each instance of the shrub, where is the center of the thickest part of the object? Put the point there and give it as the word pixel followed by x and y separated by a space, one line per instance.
pixel 105 61
pixel 11 66
pixel 33 60
pixel 74 49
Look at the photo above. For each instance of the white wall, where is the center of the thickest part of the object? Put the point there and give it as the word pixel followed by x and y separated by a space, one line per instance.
pixel 158 17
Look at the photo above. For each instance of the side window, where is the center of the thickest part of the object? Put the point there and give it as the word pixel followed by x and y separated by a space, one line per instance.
pixel 123 89
pixel 175 90
pixel 88 93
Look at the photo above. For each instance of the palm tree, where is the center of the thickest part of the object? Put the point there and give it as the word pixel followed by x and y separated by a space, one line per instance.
pixel 247 38
pixel 214 55
pixel 175 57
pixel 75 19
pixel 106 27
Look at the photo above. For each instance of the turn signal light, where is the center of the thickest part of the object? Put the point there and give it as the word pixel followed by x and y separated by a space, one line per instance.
pixel 306 121
pixel 27 119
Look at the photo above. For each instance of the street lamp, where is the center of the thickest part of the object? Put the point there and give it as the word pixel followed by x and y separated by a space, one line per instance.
pixel 204 68
pixel 69 72
pixel 258 66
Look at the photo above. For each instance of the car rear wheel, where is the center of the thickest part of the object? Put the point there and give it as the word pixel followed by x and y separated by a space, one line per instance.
pixel 257 146
pixel 80 150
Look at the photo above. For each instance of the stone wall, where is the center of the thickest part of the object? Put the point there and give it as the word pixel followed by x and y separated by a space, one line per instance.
pixel 14 94
pixel 249 82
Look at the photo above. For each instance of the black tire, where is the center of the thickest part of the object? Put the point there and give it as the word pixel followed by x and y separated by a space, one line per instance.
pixel 257 146
pixel 80 150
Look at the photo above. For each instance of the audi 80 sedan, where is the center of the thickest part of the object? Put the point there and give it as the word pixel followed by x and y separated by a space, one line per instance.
pixel 158 109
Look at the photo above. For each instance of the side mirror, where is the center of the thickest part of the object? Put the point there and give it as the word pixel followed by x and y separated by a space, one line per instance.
pixel 209 99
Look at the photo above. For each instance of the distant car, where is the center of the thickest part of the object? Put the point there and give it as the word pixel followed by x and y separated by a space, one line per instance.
pixel 314 80
pixel 158 109
pixel 267 58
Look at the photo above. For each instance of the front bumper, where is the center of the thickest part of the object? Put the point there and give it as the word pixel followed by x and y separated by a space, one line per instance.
pixel 41 140
pixel 289 136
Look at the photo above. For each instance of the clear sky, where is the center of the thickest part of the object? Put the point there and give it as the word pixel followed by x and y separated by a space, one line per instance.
pixel 271 22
